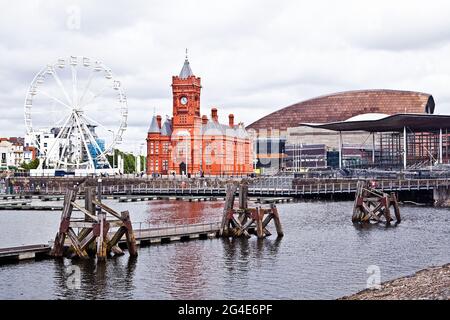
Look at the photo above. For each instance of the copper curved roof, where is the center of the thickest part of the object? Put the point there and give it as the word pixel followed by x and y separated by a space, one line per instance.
pixel 343 105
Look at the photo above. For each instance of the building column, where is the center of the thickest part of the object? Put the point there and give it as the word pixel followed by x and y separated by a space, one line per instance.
pixel 340 150
pixel 373 148
pixel 404 148
pixel 440 146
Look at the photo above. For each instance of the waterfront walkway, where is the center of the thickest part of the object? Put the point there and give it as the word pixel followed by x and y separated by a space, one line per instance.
pixel 316 187
pixel 274 187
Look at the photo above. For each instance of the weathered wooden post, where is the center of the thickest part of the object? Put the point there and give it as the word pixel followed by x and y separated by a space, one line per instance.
pixel 90 211
pixel 396 207
pixel 131 240
pixel 259 226
pixel 64 228
pixel 276 219
pixel 89 196
pixel 387 212
pixel 101 243
pixel 228 209
pixel 243 194
pixel 357 203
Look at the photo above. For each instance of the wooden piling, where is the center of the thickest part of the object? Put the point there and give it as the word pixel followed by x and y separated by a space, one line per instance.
pixel 131 240
pixel 387 211
pixel 259 226
pixel 101 243
pixel 277 221
pixel 58 247
pixel 89 195
pixel 228 209
pixel 396 207
pixel 243 196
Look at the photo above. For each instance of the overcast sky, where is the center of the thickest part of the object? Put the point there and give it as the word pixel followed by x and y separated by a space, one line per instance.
pixel 254 57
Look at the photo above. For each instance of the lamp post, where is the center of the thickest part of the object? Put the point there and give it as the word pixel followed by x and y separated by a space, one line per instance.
pixel 113 150
pixel 142 165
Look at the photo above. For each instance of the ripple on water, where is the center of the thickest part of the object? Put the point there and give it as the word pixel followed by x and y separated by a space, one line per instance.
pixel 321 256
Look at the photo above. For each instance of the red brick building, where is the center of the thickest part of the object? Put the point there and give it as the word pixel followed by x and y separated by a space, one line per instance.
pixel 189 142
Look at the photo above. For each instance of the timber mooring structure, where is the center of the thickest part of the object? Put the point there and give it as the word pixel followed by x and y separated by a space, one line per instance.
pixel 245 221
pixel 93 239
pixel 374 205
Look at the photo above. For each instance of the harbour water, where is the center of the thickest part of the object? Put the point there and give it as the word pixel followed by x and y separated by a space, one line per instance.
pixel 322 255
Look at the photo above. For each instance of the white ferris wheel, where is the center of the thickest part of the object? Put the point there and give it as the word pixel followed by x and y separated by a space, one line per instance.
pixel 75 113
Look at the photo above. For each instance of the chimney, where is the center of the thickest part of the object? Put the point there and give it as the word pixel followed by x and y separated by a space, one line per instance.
pixel 158 119
pixel 214 115
pixel 204 119
pixel 231 120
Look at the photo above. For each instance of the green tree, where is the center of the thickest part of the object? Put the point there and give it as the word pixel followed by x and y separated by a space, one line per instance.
pixel 129 161
pixel 33 164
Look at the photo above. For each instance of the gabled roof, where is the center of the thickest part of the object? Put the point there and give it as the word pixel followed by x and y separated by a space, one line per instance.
pixel 216 128
pixel 154 128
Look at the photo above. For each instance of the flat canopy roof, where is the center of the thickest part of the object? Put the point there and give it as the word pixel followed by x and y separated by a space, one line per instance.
pixel 413 121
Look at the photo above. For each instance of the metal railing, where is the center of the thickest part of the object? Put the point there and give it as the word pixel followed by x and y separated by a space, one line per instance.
pixel 175 227
pixel 271 186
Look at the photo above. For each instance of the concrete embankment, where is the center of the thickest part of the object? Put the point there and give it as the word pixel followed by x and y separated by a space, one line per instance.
pixel 432 283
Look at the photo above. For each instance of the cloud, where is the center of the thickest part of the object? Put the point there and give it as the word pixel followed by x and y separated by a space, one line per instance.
pixel 254 57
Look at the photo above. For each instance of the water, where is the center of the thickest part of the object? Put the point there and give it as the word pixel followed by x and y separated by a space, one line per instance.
pixel 322 256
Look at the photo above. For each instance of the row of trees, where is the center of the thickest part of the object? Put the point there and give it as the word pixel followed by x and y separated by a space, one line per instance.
pixel 129 161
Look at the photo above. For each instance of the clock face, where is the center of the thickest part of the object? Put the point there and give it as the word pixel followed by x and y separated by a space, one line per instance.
pixel 183 100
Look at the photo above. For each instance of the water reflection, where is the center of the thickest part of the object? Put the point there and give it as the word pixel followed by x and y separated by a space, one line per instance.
pixel 323 255
pixel 98 279
pixel 181 212
pixel 237 252
pixel 240 252
pixel 370 226
pixel 186 273
pixel 270 246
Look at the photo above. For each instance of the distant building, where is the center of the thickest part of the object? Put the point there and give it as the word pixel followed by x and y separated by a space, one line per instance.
pixel 43 141
pixel 29 154
pixel 11 153
pixel 195 144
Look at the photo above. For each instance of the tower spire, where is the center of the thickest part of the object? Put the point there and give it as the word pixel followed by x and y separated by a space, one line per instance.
pixel 186 71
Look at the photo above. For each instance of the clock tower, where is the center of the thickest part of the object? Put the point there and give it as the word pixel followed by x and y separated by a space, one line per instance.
pixel 186 98
pixel 190 144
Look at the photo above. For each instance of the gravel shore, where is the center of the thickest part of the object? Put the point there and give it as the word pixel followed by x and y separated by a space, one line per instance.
pixel 432 283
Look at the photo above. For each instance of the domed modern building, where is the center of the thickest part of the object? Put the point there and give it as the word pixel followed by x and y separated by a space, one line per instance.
pixel 344 105
pixel 283 142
